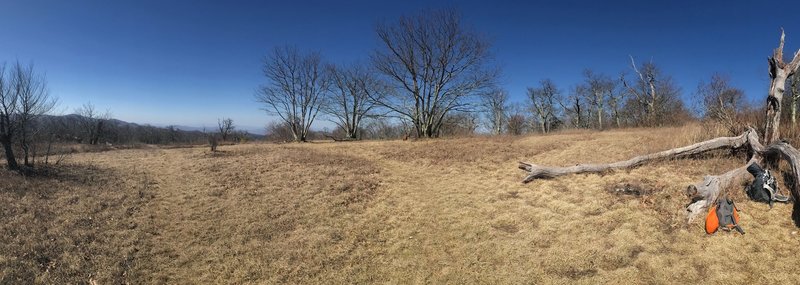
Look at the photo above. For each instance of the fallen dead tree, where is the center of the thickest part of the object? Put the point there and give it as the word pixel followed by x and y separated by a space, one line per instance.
pixel 335 139
pixel 705 192
pixel 538 171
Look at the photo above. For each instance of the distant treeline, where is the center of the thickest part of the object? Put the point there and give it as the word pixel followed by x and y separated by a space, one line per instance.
pixel 84 130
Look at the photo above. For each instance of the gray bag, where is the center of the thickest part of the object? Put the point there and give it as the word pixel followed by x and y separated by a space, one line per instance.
pixel 725 214
pixel 764 188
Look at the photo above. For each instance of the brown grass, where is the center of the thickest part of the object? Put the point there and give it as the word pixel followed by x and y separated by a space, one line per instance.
pixel 439 211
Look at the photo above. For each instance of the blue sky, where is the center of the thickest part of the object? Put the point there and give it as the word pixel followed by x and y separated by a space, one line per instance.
pixel 191 62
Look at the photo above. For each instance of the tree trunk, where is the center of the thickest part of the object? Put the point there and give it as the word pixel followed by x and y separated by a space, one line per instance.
pixel 26 154
pixel 10 159
pixel 600 117
pixel 794 111
pixel 778 72
pixel 49 148
pixel 773 115
pixel 795 96
pixel 578 112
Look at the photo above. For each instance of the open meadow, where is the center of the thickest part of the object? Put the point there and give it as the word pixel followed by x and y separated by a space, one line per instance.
pixel 430 211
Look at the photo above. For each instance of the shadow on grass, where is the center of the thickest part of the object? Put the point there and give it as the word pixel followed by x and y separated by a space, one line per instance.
pixel 60 175
pixel 69 224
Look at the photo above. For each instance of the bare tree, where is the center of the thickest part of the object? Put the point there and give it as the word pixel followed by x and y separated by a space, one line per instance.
pixel 654 95
pixel 436 64
pixel 616 101
pixel 517 123
pixel 598 89
pixel 92 122
pixel 295 88
pixel 354 96
pixel 779 71
pixel 494 105
pixel 213 142
pixel 543 102
pixel 23 98
pixel 721 102
pixel 225 127
pixel 459 124
pixel 278 131
pixel 573 106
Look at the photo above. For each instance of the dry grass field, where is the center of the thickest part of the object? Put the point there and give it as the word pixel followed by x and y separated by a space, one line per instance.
pixel 434 211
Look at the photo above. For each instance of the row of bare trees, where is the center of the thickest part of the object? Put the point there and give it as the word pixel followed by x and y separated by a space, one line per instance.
pixel 599 101
pixel 428 67
pixel 433 73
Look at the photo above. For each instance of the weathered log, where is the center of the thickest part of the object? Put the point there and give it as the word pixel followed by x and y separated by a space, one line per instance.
pixel 538 171
pixel 713 186
pixel 706 192
pixel 335 139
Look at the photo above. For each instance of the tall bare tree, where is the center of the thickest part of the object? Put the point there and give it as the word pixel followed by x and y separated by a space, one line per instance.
pixel 653 94
pixel 23 99
pixel 598 89
pixel 544 100
pixel 225 127
pixel 296 85
pixel 355 92
pixel 573 106
pixel 616 101
pixel 459 124
pixel 722 102
pixel 494 105
pixel 435 63
pixel 517 122
pixel 92 122
pixel 779 71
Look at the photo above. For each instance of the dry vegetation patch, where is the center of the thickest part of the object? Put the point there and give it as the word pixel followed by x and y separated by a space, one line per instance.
pixel 70 226
pixel 437 211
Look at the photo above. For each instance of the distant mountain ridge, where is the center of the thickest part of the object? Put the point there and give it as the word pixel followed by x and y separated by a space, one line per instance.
pixel 248 129
pixel 74 119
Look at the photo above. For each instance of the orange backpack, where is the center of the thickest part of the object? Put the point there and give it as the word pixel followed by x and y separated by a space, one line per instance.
pixel 730 217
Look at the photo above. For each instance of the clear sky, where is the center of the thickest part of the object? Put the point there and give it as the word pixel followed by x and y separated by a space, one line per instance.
pixel 191 62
